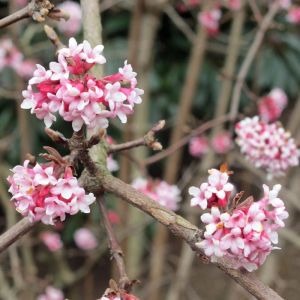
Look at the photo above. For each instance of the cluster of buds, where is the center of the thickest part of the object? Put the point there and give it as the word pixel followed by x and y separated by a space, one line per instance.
pixel 71 26
pixel 83 238
pixel 67 88
pixel 220 143
pixel 116 293
pixel 267 146
pixel 47 192
pixel 244 232
pixel 165 194
pixel 270 107
pixel 11 57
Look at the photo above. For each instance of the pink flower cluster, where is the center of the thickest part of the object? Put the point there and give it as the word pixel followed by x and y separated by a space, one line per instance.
pixel 210 20
pixel 85 239
pixel 11 57
pixel 51 293
pixel 293 15
pixel 47 192
pixel 66 88
pixel 52 240
pixel 247 232
pixel 267 146
pixel 215 192
pixel 73 25
pixel 271 106
pixel 165 194
pixel 220 143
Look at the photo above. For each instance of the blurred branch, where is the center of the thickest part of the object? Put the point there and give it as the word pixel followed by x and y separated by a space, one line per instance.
pixel 115 249
pixel 263 27
pixel 179 22
pixel 15 232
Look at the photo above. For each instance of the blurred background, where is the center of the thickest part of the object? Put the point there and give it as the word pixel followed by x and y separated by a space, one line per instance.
pixel 188 64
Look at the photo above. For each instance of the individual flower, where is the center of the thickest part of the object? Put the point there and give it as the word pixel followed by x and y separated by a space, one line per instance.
pixel 51 293
pixel 47 192
pixel 165 194
pixel 215 192
pixel 52 240
pixel 67 89
pixel 71 26
pixel 222 142
pixel 210 20
pixel 245 233
pixel 267 146
pixel 198 146
pixel 85 239
pixel 271 106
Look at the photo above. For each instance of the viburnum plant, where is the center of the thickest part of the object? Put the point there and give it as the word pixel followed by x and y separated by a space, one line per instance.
pixel 243 232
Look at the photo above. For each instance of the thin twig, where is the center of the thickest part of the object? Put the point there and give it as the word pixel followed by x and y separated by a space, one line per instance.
pixel 37 9
pixel 115 249
pixel 147 140
pixel 183 141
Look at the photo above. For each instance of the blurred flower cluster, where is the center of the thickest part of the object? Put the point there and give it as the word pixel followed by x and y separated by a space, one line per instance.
pixel 12 57
pixel 165 194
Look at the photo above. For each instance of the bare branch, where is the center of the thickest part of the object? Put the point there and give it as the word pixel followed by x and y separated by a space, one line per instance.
pixel 37 9
pixel 148 140
pixel 116 251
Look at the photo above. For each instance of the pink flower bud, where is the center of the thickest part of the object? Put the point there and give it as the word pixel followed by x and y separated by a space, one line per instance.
pixel 85 239
pixel 52 240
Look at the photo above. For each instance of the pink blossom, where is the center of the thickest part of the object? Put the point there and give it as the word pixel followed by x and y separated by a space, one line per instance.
pixel 165 194
pixel 51 293
pixel 271 106
pixel 210 20
pixel 222 142
pixel 85 239
pixel 73 25
pixel 68 90
pixel 52 240
pixel 47 192
pixel 293 15
pixel 267 146
pixel 247 232
pixel 198 146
